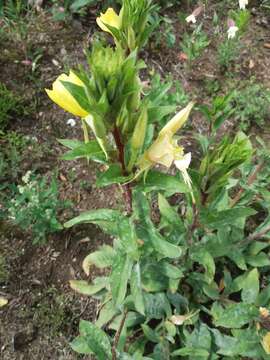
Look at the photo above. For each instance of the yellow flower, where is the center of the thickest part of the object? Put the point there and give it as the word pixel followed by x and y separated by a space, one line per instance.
pixel 165 150
pixel 109 18
pixel 266 343
pixel 63 98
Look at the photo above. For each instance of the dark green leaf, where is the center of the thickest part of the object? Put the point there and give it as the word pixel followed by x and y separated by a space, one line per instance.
pixel 90 150
pixel 113 175
pixel 96 340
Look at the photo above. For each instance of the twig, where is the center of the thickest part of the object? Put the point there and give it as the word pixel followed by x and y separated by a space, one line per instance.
pixel 252 177
pixel 118 333
pixel 256 235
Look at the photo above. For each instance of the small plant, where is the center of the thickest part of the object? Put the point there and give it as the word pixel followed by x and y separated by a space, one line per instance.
pixel 241 19
pixel 228 52
pixel 10 105
pixel 166 32
pixel 252 105
pixel 34 207
pixel 194 44
pixel 164 96
pixel 63 9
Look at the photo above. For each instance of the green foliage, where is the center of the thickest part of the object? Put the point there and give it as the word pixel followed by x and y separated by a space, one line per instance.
pixel 194 44
pixel 185 274
pixel 4 274
pixel 10 106
pixel 241 19
pixel 166 32
pixel 34 206
pixel 227 52
pixel 164 97
pixel 63 9
pixel 256 109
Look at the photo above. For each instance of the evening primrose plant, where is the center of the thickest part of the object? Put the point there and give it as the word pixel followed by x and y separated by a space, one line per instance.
pixel 186 273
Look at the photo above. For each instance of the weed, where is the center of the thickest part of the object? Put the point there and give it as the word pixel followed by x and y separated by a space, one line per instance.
pixel 227 53
pixel 166 32
pixel 252 104
pixel 10 105
pixel 35 205
pixel 194 44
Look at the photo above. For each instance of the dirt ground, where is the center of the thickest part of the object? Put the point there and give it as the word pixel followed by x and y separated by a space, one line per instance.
pixel 43 312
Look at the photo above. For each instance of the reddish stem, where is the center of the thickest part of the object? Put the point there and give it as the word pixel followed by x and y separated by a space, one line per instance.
pixel 121 157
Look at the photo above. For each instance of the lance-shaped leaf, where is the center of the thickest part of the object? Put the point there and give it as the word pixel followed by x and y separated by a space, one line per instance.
pixel 90 150
pixel 92 340
pixel 121 270
pixel 136 288
pixel 105 218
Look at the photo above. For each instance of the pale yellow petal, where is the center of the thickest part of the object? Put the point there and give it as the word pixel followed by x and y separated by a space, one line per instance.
pixel 161 151
pixel 3 301
pixel 109 18
pixel 62 97
pixel 177 121
pixel 266 343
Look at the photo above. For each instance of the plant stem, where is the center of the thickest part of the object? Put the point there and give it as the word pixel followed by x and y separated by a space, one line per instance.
pixel 127 192
pixel 194 224
pixel 117 335
pixel 252 177
pixel 255 236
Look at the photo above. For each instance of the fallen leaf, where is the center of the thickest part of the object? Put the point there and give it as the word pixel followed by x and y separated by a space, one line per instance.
pixel 3 302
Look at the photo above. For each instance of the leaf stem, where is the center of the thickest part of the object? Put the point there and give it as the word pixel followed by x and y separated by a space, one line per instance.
pixel 117 335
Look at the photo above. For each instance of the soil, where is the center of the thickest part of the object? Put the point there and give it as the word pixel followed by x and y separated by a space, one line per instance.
pixel 43 312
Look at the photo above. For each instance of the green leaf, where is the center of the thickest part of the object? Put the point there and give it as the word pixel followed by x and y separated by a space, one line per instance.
pixel 169 270
pixel 83 287
pixel 157 181
pixel 234 315
pixel 244 343
pixel 264 297
pixel 185 351
pixel 107 312
pixel 206 260
pixel 238 258
pixel 80 345
pixel 107 219
pixel 70 143
pixel 78 4
pixel 150 334
pixel 136 289
pixel 128 237
pixel 218 219
pixel 96 340
pixel 121 270
pixel 90 150
pixel 113 175
pixel 78 93
pixel 171 216
pixel 251 287
pixel 258 260
pixel 101 258
pixel 163 247
pixel 157 306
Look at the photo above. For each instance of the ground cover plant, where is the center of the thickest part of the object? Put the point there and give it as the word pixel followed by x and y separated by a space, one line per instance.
pixel 165 253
